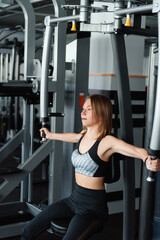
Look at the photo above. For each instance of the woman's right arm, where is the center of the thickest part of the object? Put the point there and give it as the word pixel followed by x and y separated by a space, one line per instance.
pixel 65 137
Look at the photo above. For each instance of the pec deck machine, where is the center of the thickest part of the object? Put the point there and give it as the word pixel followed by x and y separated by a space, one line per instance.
pixel 50 90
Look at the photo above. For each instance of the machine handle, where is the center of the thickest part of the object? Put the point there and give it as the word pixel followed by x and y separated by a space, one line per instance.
pixel 151 175
pixel 43 139
pixel 56 114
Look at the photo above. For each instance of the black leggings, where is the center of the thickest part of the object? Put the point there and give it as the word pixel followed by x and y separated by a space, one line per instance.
pixel 85 206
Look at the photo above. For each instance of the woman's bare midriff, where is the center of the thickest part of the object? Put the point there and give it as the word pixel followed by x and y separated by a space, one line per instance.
pixel 96 183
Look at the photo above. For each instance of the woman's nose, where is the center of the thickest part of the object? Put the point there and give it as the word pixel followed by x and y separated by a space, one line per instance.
pixel 83 112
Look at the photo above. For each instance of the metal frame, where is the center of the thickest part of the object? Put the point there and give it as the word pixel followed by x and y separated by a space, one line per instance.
pixel 27 167
pixel 29 159
pixel 149 202
pixel 55 170
pixel 124 100
pixel 11 145
pixel 22 137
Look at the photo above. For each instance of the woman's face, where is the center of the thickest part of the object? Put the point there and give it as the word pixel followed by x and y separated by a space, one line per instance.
pixel 87 115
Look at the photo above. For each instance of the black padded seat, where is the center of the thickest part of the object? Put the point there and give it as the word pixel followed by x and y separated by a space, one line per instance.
pixel 59 226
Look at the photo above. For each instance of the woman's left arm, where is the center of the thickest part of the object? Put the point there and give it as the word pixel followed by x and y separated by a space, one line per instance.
pixel 120 146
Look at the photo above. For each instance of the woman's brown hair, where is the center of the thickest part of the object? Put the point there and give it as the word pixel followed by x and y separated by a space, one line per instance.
pixel 102 107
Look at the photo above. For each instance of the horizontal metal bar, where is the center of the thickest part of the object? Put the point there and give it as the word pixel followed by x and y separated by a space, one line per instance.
pixel 64 19
pixel 16 83
pixel 103 28
pixel 132 10
pixel 139 31
pixel 54 114
pixel 15 88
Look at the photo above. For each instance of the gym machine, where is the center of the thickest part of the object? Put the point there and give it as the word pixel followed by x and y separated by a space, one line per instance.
pixel 32 160
pixel 22 137
pixel 116 30
pixel 149 212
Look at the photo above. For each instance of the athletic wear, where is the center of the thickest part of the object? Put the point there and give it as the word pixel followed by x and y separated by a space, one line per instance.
pixel 89 163
pixel 85 206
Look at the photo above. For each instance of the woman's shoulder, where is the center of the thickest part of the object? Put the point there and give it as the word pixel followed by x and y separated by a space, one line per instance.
pixel 106 146
pixel 109 137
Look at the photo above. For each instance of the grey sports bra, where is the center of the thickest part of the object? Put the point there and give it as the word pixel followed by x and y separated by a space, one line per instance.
pixel 89 163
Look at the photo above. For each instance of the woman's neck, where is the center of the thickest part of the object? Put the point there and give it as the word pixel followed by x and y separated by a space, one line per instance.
pixel 92 133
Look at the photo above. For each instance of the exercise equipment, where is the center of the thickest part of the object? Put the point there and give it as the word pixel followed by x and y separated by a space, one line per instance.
pixel 148 195
pixel 58 75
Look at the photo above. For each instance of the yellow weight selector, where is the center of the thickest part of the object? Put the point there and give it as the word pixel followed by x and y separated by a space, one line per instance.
pixel 128 22
pixel 73 26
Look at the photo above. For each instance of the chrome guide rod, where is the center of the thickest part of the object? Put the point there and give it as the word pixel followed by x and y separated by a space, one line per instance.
pixel 45 69
pixel 45 63
pixel 132 10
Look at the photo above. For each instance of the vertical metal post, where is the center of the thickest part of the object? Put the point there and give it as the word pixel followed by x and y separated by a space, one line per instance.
pixel 84 10
pixel 151 93
pixel 45 71
pixel 55 171
pixel 16 105
pixel 155 141
pixel 145 216
pixel 156 218
pixel 6 67
pixel 148 196
pixel 12 64
pixel 124 100
pixel 29 53
pixel 30 176
pixel 155 137
pixel 1 67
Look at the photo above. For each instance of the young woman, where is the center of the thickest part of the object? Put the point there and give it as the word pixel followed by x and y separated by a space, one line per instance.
pixel 87 204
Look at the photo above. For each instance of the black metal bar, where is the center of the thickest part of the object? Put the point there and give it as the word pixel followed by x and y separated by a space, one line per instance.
pixel 139 31
pixel 156 218
pixel 148 194
pixel 15 88
pixel 124 100
pixel 56 114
